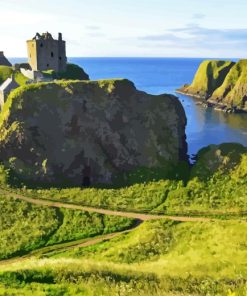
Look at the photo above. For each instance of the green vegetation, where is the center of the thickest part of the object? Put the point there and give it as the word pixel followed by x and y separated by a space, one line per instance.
pixel 223 83
pixel 6 72
pixel 158 258
pixel 208 78
pixel 73 72
pixel 233 90
pixel 25 227
pixel 216 183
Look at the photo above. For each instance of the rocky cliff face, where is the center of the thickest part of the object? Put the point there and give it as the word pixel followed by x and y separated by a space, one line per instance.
pixel 88 131
pixel 222 83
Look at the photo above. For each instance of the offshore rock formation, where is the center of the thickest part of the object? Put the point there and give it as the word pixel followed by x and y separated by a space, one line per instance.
pixel 221 84
pixel 88 131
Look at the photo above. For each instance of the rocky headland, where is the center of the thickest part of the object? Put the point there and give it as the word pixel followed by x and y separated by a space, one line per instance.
pixel 220 84
pixel 88 131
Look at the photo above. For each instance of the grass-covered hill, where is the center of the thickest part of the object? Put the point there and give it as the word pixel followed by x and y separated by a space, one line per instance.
pixel 156 258
pixel 209 76
pixel 222 83
pixel 233 92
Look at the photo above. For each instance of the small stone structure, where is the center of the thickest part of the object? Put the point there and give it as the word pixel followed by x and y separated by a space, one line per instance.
pixel 46 53
pixel 33 75
pixel 6 88
pixel 3 60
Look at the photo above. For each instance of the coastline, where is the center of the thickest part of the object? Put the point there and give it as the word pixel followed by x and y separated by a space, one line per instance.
pixel 211 104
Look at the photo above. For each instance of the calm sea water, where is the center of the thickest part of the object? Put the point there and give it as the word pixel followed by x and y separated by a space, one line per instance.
pixel 164 75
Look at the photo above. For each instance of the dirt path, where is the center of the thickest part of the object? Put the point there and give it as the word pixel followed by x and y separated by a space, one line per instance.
pixel 89 242
pixel 139 216
pixel 61 247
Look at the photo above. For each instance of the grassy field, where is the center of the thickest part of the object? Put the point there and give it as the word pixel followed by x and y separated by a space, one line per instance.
pixel 157 258
pixel 25 227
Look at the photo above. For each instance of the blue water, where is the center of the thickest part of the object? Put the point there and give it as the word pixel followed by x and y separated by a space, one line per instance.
pixel 165 75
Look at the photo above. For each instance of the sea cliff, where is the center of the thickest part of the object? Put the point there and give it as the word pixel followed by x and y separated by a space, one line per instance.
pixel 220 84
pixel 89 130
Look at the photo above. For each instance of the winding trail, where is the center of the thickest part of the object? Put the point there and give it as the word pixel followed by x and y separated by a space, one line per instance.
pixel 133 215
pixel 140 218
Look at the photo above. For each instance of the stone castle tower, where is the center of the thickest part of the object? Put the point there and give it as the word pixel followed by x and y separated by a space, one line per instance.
pixel 45 53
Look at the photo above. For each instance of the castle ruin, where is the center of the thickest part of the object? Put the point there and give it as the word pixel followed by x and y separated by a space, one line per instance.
pixel 46 53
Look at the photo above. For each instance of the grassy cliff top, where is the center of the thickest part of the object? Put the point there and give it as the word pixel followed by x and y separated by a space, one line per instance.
pixel 73 72
pixel 234 89
pixel 210 76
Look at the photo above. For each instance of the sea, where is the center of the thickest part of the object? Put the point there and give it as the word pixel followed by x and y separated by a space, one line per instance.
pixel 205 126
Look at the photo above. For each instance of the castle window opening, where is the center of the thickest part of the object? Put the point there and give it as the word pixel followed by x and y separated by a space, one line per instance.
pixel 47 65
pixel 41 45
pixel 60 58
pixel 52 54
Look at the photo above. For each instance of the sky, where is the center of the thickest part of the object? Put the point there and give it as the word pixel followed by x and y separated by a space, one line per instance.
pixel 129 28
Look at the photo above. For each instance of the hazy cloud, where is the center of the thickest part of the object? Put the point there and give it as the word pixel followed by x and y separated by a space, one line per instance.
pixel 198 16
pixel 197 36
pixel 93 28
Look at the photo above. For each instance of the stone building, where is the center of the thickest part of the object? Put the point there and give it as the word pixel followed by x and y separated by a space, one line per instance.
pixel 8 85
pixel 46 53
pixel 3 60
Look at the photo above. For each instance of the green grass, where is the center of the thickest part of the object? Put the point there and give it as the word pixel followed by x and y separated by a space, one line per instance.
pixel 6 72
pixel 73 72
pixel 209 76
pixel 233 90
pixel 25 227
pixel 158 258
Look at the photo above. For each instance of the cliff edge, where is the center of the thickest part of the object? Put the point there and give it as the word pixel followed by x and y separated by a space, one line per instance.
pixel 220 84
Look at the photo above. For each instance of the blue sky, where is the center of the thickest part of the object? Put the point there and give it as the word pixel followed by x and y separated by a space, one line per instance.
pixel 144 28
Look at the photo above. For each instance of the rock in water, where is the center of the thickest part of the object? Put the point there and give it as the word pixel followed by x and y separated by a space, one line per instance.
pixel 85 132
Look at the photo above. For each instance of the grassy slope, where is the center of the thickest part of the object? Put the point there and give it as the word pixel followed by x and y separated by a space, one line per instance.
pixel 209 77
pixel 158 258
pixel 73 72
pixel 233 91
pixel 217 182
pixel 6 72
pixel 25 227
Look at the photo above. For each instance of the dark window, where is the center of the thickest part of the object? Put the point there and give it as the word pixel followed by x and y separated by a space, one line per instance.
pixel 60 58
pixel 41 44
pixel 47 65
pixel 52 54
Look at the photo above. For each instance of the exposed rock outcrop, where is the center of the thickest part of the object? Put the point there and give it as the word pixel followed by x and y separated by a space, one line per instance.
pixel 88 131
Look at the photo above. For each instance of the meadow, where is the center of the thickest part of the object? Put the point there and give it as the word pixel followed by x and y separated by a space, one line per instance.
pixel 159 257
